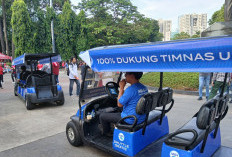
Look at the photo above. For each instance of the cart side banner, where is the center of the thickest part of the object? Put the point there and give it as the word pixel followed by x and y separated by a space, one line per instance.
pixel 207 55
pixel 53 59
pixel 19 60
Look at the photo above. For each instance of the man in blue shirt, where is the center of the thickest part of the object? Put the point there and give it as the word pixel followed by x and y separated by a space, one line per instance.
pixel 127 99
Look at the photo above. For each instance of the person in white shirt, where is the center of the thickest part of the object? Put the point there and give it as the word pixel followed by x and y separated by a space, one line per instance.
pixel 73 76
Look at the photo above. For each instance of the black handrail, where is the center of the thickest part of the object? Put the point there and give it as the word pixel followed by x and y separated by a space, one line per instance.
pixel 82 90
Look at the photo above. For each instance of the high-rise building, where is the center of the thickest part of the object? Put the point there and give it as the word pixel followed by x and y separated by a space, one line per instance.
pixel 165 28
pixel 191 23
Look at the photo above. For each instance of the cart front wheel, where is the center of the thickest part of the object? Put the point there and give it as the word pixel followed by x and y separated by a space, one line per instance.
pixel 73 134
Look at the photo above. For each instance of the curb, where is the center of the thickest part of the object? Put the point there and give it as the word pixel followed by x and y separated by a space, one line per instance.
pixel 195 93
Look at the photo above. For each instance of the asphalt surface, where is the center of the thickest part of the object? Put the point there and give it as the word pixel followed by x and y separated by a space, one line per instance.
pixel 41 132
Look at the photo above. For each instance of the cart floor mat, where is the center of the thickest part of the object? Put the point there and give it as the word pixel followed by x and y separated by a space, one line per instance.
pixel 104 140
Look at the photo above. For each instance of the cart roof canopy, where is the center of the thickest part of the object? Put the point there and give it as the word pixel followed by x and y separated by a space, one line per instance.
pixel 212 54
pixel 42 58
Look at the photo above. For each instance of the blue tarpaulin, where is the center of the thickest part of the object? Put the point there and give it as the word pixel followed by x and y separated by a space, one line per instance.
pixel 193 55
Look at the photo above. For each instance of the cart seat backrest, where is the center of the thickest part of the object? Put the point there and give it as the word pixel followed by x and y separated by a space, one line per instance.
pixel 150 101
pixel 206 114
pixel 44 80
pixel 39 72
pixel 203 121
pixel 25 75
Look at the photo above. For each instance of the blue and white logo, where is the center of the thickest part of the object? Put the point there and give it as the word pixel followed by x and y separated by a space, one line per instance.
pixel 174 154
pixel 121 137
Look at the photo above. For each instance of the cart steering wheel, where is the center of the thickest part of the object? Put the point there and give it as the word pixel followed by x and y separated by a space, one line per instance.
pixel 112 89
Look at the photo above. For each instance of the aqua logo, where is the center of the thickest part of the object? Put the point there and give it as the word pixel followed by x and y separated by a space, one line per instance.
pixel 174 154
pixel 121 137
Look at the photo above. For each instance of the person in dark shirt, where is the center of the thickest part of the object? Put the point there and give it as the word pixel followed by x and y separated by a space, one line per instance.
pixel 13 73
pixel 23 72
pixel 127 99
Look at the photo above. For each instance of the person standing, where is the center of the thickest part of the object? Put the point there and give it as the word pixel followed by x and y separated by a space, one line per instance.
pixel 13 73
pixel 73 76
pixel 56 69
pixel 39 66
pixel 63 64
pixel 204 79
pixel 66 65
pixel 1 76
pixel 127 99
pixel 217 83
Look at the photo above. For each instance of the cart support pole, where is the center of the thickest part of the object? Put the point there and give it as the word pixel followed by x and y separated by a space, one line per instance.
pixel 119 78
pixel 82 90
pixel 161 81
pixel 218 120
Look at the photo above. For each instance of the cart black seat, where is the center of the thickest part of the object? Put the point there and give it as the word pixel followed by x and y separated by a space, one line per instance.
pixel 148 105
pixel 198 128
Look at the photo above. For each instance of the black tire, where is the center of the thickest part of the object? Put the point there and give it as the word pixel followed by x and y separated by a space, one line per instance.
pixel 73 135
pixel 15 90
pixel 29 104
pixel 61 102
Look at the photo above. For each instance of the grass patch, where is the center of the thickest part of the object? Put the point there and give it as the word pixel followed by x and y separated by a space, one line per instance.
pixel 183 81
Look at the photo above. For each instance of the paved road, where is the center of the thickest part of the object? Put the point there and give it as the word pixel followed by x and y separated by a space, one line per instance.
pixel 40 132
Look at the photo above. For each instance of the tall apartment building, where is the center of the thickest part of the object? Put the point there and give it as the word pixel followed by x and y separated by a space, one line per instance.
pixel 191 23
pixel 165 28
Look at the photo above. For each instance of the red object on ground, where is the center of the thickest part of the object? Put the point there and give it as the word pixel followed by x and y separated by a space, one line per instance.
pixel 39 66
pixel 4 57
pixel 55 67
pixel 1 70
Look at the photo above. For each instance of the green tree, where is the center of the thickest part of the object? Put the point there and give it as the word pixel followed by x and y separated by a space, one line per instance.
pixel 42 35
pixel 21 27
pixel 82 40
pixel 57 4
pixel 197 35
pixel 182 35
pixel 5 26
pixel 67 37
pixel 117 22
pixel 117 9
pixel 217 16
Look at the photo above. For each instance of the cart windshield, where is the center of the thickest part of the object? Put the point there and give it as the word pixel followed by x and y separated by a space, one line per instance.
pixel 94 83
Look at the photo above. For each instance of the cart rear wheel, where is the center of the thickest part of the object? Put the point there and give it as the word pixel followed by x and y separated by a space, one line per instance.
pixel 15 90
pixel 29 104
pixel 61 102
pixel 73 134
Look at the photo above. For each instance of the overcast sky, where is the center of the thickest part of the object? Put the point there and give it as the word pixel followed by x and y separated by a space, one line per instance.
pixel 171 9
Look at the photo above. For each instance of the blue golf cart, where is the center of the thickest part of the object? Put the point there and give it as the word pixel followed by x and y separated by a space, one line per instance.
pixel 199 137
pixel 36 86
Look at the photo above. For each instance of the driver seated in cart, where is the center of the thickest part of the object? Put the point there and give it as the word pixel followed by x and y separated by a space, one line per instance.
pixel 127 99
pixel 22 73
